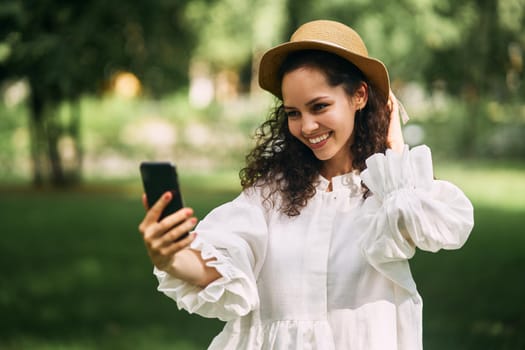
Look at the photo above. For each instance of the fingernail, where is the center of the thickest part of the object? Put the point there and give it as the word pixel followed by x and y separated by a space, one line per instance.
pixel 167 196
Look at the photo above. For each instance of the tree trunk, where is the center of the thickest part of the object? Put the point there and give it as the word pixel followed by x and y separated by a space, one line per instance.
pixel 36 129
pixel 47 130
pixel 53 134
pixel 76 135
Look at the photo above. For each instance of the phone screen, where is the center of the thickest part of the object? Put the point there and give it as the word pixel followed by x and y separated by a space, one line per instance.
pixel 157 179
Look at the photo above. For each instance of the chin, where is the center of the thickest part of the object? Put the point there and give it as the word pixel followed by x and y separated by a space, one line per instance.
pixel 323 156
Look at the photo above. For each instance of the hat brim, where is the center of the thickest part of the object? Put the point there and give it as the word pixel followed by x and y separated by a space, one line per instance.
pixel 374 70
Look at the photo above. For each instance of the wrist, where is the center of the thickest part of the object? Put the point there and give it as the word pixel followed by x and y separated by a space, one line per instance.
pixel 164 265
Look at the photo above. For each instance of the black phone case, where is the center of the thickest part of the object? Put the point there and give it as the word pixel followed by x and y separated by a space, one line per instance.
pixel 157 179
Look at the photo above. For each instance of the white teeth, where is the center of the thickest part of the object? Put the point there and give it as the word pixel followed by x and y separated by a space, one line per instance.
pixel 319 138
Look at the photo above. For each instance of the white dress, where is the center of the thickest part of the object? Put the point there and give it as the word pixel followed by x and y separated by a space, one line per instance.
pixel 336 276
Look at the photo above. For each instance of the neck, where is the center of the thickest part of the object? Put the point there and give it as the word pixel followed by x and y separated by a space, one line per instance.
pixel 333 168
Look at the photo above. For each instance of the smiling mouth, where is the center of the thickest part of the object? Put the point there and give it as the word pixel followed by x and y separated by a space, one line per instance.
pixel 319 139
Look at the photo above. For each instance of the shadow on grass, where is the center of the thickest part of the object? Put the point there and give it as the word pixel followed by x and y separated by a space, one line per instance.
pixel 75 275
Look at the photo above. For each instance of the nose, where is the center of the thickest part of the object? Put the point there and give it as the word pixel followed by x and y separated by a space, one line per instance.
pixel 309 124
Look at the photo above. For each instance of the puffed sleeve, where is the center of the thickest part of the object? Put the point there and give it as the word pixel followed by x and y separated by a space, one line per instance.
pixel 410 209
pixel 234 237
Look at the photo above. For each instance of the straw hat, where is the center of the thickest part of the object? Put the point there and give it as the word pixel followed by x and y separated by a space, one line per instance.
pixel 327 36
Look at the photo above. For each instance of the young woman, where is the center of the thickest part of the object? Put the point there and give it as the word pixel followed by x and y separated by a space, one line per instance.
pixel 313 254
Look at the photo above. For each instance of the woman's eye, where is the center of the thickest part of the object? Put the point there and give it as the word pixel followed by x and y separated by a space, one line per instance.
pixel 292 114
pixel 320 106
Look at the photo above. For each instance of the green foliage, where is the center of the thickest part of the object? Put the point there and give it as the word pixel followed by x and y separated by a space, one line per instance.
pixel 480 62
pixel 69 48
pixel 119 133
pixel 224 30
pixel 487 129
pixel 216 138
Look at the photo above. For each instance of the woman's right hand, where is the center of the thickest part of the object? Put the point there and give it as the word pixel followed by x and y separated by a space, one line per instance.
pixel 161 237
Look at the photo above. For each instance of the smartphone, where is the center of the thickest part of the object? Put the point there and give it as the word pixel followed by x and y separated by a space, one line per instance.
pixel 157 179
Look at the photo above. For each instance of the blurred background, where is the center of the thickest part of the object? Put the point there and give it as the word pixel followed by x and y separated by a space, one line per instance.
pixel 90 89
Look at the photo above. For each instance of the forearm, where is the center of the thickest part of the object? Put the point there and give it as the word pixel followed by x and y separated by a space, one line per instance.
pixel 189 266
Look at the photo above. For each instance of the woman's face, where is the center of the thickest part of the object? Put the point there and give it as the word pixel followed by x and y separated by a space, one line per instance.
pixel 321 116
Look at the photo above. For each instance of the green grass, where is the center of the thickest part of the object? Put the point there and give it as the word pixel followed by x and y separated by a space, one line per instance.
pixel 75 274
pixel 473 297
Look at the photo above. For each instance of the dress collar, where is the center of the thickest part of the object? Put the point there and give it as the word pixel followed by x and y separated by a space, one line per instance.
pixel 350 181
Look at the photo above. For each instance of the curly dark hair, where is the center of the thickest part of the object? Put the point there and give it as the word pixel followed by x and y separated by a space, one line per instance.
pixel 284 164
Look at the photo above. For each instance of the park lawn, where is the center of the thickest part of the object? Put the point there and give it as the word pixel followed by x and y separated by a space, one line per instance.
pixel 75 274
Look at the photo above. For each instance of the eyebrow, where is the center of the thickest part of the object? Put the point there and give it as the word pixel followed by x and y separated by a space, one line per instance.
pixel 309 103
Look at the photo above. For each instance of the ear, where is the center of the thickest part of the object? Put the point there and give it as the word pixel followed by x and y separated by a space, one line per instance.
pixel 361 96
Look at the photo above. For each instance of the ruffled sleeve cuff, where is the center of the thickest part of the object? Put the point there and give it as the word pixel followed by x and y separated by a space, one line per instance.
pixel 387 173
pixel 230 296
pixel 409 208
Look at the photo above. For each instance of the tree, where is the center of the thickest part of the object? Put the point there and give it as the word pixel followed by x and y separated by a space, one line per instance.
pixel 485 64
pixel 69 48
